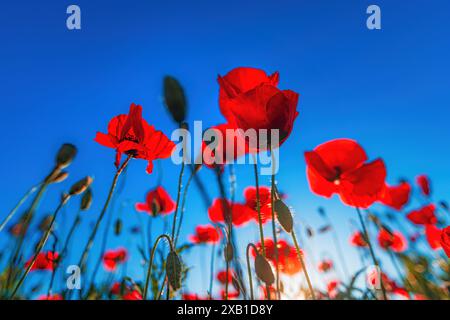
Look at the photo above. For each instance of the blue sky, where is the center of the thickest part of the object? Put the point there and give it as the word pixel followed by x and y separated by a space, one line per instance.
pixel 387 88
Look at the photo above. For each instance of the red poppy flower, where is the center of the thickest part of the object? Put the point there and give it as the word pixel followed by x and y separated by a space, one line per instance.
pixel 338 167
pixel 332 288
pixel 191 296
pixel 112 258
pixel 433 235
pixel 423 216
pixel 424 183
pixel 288 261
pixel 357 240
pixel 231 295
pixel 222 277
pixel 249 99
pixel 44 261
pixel 132 295
pixel 325 265
pixel 115 288
pixel 394 241
pixel 132 135
pixel 205 234
pixel 222 152
pixel 445 240
pixel 265 202
pixel 51 297
pixel 158 201
pixel 396 196
pixel 240 213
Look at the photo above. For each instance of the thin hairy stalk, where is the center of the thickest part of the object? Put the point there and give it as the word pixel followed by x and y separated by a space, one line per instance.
pixel 183 206
pixel 258 209
pixel 18 205
pixel 305 271
pixel 372 253
pixel 229 224
pixel 274 229
pixel 90 242
pixel 150 265
pixel 249 269
pixel 211 270
pixel 55 265
pixel 180 183
pixel 40 245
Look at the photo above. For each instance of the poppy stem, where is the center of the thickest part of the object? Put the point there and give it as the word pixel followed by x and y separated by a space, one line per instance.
pixel 274 229
pixel 180 181
pixel 183 204
pixel 41 244
pixel 55 267
pixel 258 209
pixel 211 279
pixel 372 253
pixel 150 265
pixel 299 254
pixel 90 242
pixel 14 210
pixel 249 270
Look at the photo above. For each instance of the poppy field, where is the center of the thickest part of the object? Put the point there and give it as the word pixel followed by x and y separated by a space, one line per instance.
pixel 249 98
pixel 212 151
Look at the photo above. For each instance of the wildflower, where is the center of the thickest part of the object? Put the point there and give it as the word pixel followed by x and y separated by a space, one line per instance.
pixel 44 261
pixel 205 234
pixel 157 202
pixel 396 197
pixel 240 214
pixel 132 135
pixel 357 240
pixel 424 215
pixel 338 167
pixel 424 183
pixel 394 241
pixel 325 265
pixel 265 202
pixel 112 258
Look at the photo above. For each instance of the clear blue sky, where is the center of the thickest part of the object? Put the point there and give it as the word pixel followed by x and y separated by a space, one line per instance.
pixel 388 89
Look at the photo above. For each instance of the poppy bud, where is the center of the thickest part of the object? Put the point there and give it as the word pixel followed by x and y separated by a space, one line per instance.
pixel 118 227
pixel 322 212
pixel 444 205
pixel 264 270
pixel 284 215
pixel 86 200
pixel 65 155
pixel 228 252
pixel 173 270
pixel 60 177
pixel 45 223
pixel 80 186
pixel 324 229
pixel 309 232
pixel 174 99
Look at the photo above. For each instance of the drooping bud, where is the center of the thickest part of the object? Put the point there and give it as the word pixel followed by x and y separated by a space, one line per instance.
pixel 86 200
pixel 228 252
pixel 173 270
pixel 175 99
pixel 45 223
pixel 60 177
pixel 65 155
pixel 284 215
pixel 80 186
pixel 118 227
pixel 264 270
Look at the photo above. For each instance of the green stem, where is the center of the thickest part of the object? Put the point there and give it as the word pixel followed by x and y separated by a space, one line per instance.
pixel 372 253
pixel 183 204
pixel 90 242
pixel 211 279
pixel 14 210
pixel 258 209
pixel 40 245
pixel 150 265
pixel 299 254
pixel 274 230
pixel 249 270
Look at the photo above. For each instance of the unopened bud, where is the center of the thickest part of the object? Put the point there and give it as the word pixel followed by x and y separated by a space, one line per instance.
pixel 60 177
pixel 228 252
pixel 175 99
pixel 65 155
pixel 173 270
pixel 86 200
pixel 45 223
pixel 80 186
pixel 118 227
pixel 264 270
pixel 284 215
